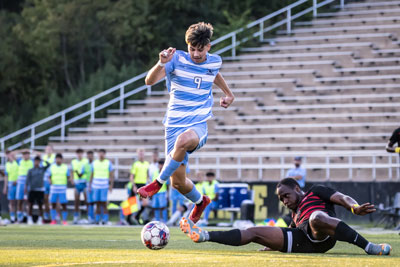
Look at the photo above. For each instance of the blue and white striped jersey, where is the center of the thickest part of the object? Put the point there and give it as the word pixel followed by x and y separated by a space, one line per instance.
pixel 189 85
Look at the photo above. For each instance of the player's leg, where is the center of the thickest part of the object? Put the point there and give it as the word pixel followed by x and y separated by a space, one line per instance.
pixel 20 200
pixel 184 142
pixel 31 200
pixel 53 211
pixel 76 204
pixel 104 198
pixel 323 225
pixel 40 206
pixel 164 206
pixel 271 237
pixel 11 196
pixel 46 214
pixel 187 188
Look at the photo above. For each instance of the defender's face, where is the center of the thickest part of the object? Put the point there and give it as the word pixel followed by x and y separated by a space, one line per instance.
pixel 198 54
pixel 59 161
pixel 288 196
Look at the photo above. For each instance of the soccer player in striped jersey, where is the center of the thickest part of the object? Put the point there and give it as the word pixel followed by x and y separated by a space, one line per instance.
pixel 315 228
pixel 189 78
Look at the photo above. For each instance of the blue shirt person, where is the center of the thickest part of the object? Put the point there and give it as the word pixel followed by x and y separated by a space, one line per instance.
pixel 297 172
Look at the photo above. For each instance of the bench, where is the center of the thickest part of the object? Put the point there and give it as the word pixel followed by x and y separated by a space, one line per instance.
pixel 306 125
pixel 366 69
pixel 158 110
pixel 343 29
pixel 328 106
pixel 376 60
pixel 240 65
pixel 290 56
pixel 392 77
pixel 166 100
pixel 327 38
pixel 318 115
pixel 382 52
pixel 370 4
pixel 339 21
pixel 332 97
pixel 268 72
pixel 339 46
pixel 372 87
pixel 383 11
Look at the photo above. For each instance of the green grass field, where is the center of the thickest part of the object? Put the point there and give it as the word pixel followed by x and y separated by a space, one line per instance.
pixel 22 245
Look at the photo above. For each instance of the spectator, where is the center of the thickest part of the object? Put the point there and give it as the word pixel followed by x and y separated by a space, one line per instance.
pixel 298 173
pixel 48 158
pixel 86 173
pixel 24 165
pixel 394 139
pixel 153 167
pixel 210 188
pixel 34 188
pixel 101 182
pixel 10 183
pixel 139 177
pixel 79 180
pixel 59 174
pixel 160 199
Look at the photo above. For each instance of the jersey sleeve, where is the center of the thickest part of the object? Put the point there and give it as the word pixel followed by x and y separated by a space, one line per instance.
pixel 323 192
pixel 110 167
pixel 68 172
pixel 170 66
pixel 395 137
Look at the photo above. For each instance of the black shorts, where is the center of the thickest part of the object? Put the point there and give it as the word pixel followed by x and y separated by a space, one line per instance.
pixel 36 197
pixel 298 241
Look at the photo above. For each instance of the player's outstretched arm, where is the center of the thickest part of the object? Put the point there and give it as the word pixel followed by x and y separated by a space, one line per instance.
pixel 227 100
pixel 350 204
pixel 158 71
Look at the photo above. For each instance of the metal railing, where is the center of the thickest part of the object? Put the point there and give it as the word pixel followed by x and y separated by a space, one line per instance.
pixel 61 116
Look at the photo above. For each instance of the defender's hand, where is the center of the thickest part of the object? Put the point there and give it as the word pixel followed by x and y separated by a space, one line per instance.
pixel 364 209
pixel 166 55
pixel 226 101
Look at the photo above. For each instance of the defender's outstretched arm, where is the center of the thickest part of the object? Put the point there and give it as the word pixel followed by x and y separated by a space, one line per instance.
pixel 351 205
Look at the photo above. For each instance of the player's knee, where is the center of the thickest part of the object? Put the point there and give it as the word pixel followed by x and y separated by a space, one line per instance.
pixel 317 220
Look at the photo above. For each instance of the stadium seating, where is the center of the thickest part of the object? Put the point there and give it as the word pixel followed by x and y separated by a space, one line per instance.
pixel 328 92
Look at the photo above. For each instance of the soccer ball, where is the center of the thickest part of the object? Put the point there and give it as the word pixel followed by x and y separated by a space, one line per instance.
pixel 155 235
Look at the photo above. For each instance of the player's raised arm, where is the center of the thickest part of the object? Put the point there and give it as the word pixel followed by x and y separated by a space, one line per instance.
pixel 158 71
pixel 350 204
pixel 227 100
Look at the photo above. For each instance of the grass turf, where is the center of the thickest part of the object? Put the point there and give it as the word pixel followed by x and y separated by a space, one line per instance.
pixel 22 245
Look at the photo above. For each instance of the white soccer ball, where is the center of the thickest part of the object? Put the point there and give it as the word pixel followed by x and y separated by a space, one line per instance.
pixel 155 235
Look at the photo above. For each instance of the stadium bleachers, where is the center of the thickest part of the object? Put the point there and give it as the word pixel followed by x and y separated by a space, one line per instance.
pixel 328 92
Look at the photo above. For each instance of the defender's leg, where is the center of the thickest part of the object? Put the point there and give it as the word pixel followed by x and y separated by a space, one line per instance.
pixel 323 225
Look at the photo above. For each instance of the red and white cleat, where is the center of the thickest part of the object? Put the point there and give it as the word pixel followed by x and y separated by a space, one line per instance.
pixel 53 222
pixel 149 190
pixel 198 209
pixel 64 223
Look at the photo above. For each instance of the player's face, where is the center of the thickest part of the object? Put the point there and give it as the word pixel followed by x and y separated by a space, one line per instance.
pixel 49 150
pixel 90 156
pixel 198 54
pixel 26 156
pixel 101 155
pixel 37 163
pixel 59 161
pixel 79 155
pixel 288 196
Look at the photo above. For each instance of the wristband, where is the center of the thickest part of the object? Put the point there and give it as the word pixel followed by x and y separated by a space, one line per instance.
pixel 161 64
pixel 354 206
pixel 397 150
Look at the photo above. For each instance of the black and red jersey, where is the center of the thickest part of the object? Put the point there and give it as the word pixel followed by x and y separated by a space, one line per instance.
pixel 317 198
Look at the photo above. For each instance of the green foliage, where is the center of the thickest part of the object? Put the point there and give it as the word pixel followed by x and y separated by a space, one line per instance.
pixel 54 54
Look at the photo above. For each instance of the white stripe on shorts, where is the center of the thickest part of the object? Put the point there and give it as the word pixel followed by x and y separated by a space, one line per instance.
pixel 289 241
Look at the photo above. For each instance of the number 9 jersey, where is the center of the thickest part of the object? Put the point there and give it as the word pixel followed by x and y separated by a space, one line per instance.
pixel 190 87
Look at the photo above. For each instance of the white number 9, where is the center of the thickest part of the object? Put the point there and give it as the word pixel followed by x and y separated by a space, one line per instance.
pixel 197 80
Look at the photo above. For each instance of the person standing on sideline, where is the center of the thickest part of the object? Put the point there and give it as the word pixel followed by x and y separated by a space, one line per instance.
pixel 86 173
pixel 59 174
pixel 160 200
pixel 34 188
pixel 10 183
pixel 189 78
pixel 210 188
pixel 139 177
pixel 298 173
pixel 78 179
pixel 153 167
pixel 48 158
pixel 101 182
pixel 24 165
